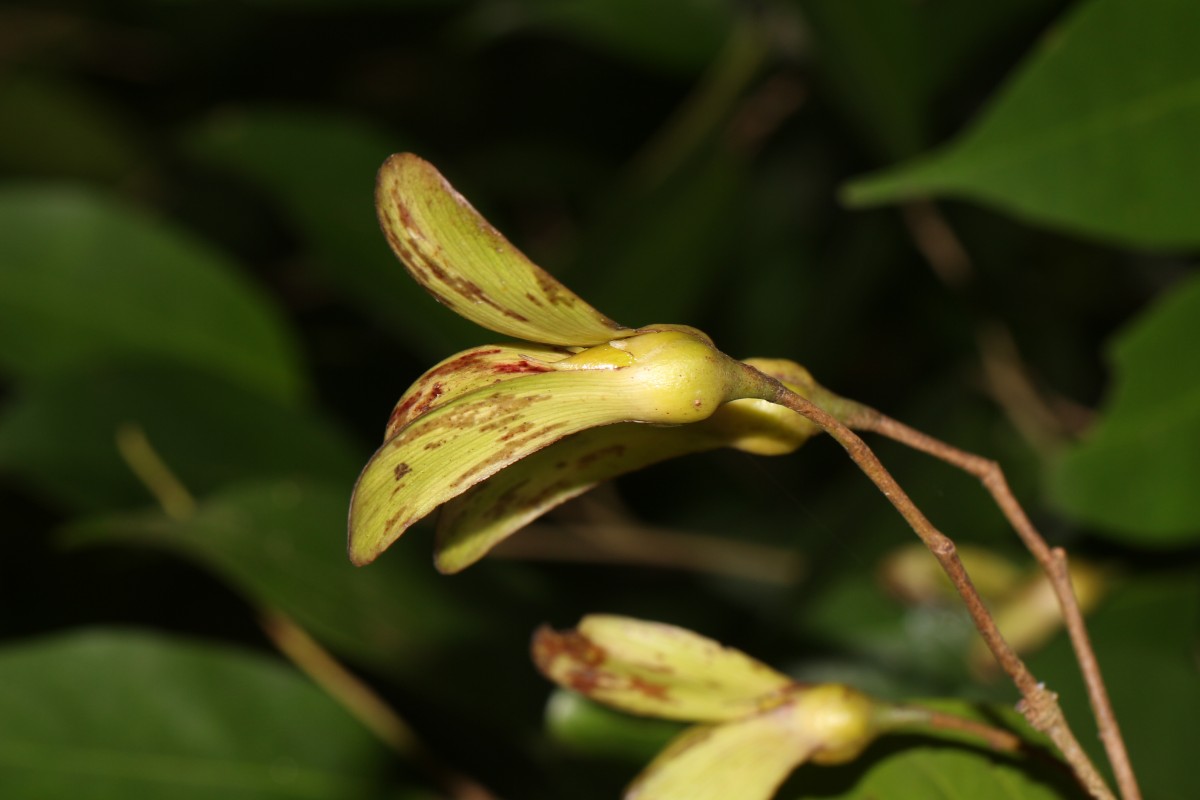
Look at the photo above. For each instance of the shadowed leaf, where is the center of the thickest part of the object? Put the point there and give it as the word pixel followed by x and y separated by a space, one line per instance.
pixel 58 434
pixel 114 714
pixel 1096 133
pixel 1134 475
pixel 277 543
pixel 454 446
pixel 85 278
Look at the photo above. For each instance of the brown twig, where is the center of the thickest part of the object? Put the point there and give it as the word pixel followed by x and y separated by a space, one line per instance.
pixel 1053 561
pixel 1038 422
pixel 1038 704
pixel 1044 422
pixel 363 703
pixel 338 682
pixel 148 466
pixel 644 545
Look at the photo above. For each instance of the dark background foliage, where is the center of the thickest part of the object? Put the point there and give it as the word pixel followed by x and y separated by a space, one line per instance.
pixel 189 258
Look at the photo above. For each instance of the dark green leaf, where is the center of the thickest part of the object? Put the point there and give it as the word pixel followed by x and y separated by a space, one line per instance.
pixel 588 727
pixel 677 35
pixel 937 772
pixel 110 715
pixel 658 256
pixel 1134 476
pixel 890 63
pixel 84 278
pixel 51 127
pixel 283 545
pixel 1146 637
pixel 59 434
pixel 943 765
pixel 321 170
pixel 1096 133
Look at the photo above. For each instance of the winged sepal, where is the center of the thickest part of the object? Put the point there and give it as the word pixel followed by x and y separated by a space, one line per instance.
pixel 478 520
pixel 663 377
pixel 467 371
pixel 658 670
pixel 466 264
pixel 748 759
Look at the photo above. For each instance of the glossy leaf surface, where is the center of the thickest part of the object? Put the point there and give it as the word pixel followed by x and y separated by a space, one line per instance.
pixel 1134 474
pixel 1094 134
pixel 83 278
pixel 76 719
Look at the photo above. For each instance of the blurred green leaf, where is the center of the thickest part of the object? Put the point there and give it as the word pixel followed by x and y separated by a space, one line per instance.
pixel 1134 476
pixel 1146 638
pixel 1096 133
pixel 115 715
pixel 84 278
pixel 320 169
pixel 938 771
pixel 59 434
pixel 284 545
pixel 891 63
pixel 943 764
pixel 51 127
pixel 673 35
pixel 588 727
pixel 658 256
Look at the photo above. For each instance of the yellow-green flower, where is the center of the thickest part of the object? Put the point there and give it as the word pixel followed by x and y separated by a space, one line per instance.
pixel 755 727
pixel 501 433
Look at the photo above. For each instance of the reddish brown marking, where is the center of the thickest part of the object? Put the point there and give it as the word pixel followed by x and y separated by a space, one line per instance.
pixel 524 427
pixel 413 406
pixel 392 524
pixel 655 690
pixel 519 367
pixel 499 507
pixel 461 286
pixel 587 459
pixel 533 298
pixel 555 292
pixel 548 491
pixel 582 655
pixel 401 470
pixel 584 671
